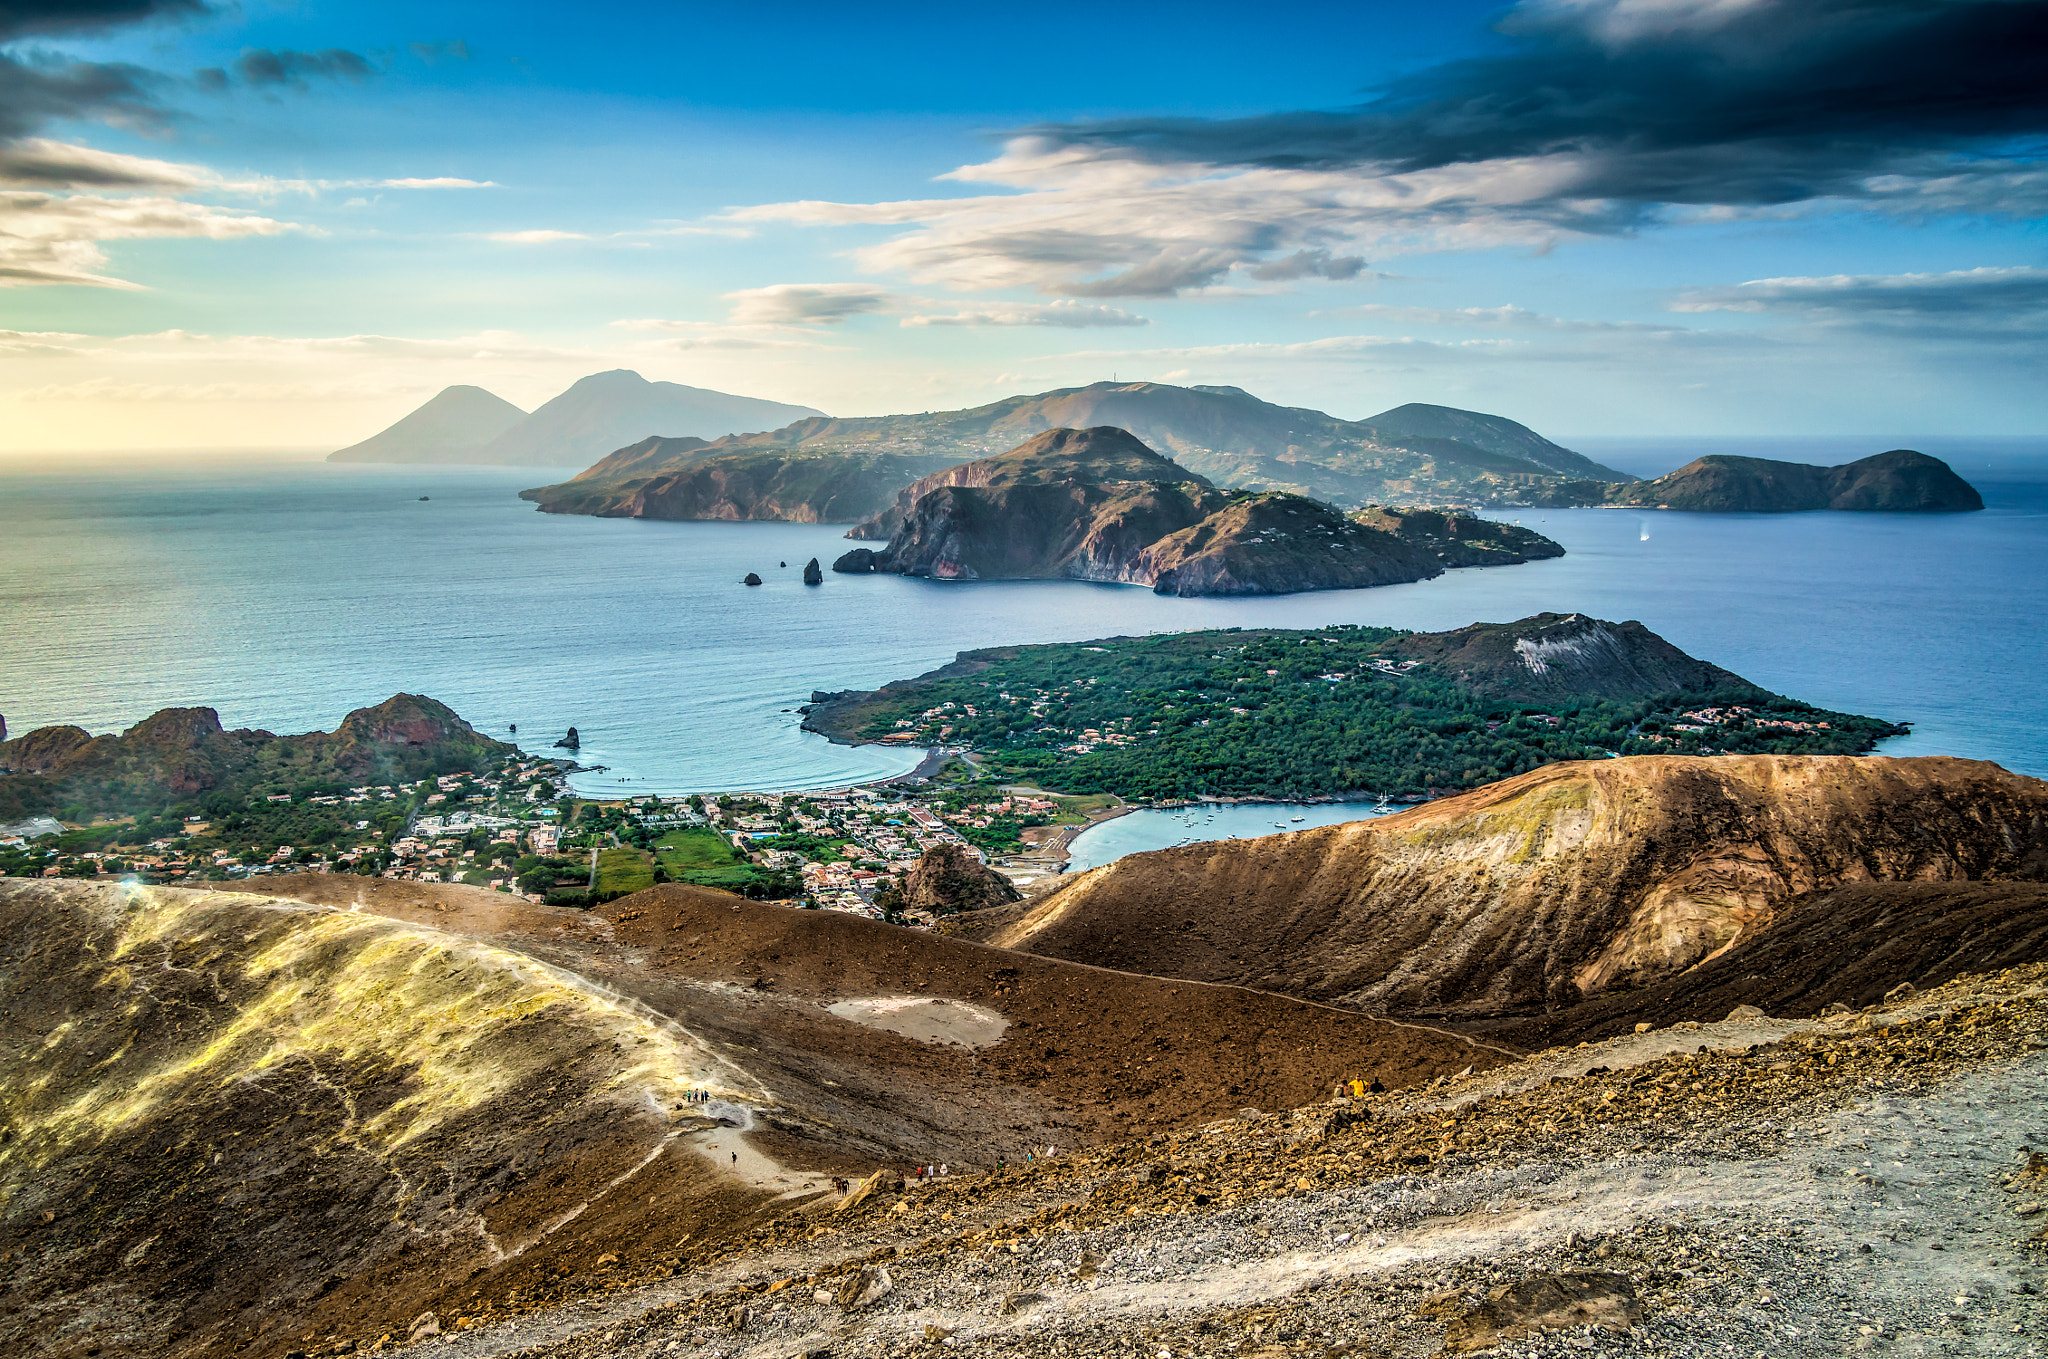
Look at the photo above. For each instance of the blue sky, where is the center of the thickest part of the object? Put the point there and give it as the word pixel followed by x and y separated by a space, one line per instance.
pixel 223 226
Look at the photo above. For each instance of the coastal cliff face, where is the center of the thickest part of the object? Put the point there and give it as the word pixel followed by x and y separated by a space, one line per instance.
pixel 1065 505
pixel 1901 480
pixel 1180 539
pixel 803 488
pixel 1104 453
pixel 1529 894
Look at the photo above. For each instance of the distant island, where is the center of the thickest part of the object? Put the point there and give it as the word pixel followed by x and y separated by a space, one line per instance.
pixel 1098 505
pixel 1226 436
pixel 597 414
pixel 790 487
pixel 1899 481
pixel 1334 711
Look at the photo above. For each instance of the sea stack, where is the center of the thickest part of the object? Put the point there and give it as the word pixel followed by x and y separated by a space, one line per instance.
pixel 812 575
pixel 750 579
pixel 571 741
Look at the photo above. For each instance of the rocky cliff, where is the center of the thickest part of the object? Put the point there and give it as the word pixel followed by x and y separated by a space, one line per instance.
pixel 181 751
pixel 1901 480
pixel 949 879
pixel 1575 880
pixel 1059 507
pixel 1104 453
pixel 804 488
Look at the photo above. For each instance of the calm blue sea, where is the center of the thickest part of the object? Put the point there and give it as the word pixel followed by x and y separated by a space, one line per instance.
pixel 285 593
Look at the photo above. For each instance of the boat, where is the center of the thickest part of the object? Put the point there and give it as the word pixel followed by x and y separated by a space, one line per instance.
pixel 1294 818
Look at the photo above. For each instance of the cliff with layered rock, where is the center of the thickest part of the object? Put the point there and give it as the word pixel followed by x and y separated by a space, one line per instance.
pixel 1061 506
pixel 1085 456
pixel 1530 894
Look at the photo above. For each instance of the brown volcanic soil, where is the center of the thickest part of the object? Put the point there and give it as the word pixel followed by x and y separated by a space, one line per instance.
pixel 1848 946
pixel 1529 894
pixel 242 1124
pixel 1088 1054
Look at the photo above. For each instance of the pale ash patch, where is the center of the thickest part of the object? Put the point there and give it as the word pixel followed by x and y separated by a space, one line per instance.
pixel 928 1019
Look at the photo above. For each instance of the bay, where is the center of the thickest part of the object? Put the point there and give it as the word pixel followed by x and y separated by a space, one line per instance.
pixel 286 592
pixel 1158 828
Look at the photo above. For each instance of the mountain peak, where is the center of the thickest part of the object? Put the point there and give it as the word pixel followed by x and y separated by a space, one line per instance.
pixel 455 422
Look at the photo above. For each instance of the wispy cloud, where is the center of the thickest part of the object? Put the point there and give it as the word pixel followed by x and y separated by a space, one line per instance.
pixel 56 239
pixel 1064 315
pixel 538 237
pixel 439 182
pixel 805 304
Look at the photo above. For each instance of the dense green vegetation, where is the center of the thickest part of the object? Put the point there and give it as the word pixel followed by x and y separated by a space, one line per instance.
pixel 621 872
pixel 698 855
pixel 1295 714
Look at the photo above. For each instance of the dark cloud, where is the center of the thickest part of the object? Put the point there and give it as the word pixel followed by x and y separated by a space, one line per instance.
pixel 263 66
pixel 35 93
pixel 1309 264
pixel 48 18
pixel 1986 303
pixel 1672 102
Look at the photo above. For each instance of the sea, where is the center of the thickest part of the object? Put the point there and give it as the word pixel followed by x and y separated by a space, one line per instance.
pixel 285 592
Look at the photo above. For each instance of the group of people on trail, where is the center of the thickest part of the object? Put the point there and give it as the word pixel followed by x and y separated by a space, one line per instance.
pixel 1357 1088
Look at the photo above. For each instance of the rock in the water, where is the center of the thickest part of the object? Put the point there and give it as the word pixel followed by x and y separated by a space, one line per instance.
pixel 812 575
pixel 571 742
pixel 750 579
pixel 949 878
pixel 860 561
pixel 1547 1302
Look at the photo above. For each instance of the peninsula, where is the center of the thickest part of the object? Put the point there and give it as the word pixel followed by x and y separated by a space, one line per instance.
pixel 1333 711
pixel 1098 505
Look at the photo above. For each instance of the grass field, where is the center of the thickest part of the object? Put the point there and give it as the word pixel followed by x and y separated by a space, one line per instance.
pixel 693 854
pixel 620 871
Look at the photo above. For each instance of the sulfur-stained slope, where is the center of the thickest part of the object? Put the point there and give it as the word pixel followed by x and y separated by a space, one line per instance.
pixel 230 1122
pixel 1569 881
pixel 240 1124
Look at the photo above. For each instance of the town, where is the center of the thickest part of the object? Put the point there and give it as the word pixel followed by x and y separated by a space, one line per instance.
pixel 519 828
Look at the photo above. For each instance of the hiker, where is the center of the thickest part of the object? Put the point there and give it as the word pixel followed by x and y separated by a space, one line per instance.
pixel 735 1158
pixel 942 1169
pixel 1376 1088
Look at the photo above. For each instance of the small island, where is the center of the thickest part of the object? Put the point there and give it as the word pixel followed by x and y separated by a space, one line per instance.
pixel 1901 481
pixel 1332 712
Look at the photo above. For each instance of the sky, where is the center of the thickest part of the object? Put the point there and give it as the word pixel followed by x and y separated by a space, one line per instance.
pixel 283 225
